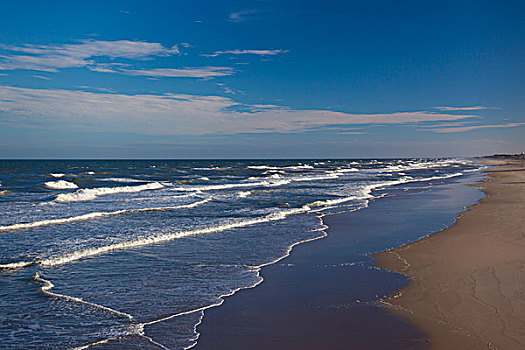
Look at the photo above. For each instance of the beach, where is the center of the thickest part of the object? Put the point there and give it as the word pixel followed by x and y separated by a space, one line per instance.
pixel 326 294
pixel 222 254
pixel 466 289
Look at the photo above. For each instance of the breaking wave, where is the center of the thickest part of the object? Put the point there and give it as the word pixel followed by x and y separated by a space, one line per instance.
pixel 95 215
pixel 60 185
pixel 86 194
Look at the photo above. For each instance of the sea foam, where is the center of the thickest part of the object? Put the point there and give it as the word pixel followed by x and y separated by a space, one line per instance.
pixel 86 194
pixel 95 215
pixel 60 185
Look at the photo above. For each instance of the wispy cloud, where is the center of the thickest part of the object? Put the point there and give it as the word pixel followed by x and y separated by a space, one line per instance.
pixel 476 127
pixel 242 15
pixel 473 108
pixel 179 114
pixel 51 58
pixel 246 52
pixel 41 77
pixel 441 125
pixel 187 72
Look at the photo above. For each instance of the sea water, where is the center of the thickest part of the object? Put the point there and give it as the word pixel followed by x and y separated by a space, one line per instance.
pixel 95 251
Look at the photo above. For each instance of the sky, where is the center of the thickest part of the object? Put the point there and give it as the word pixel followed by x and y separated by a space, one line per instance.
pixel 261 79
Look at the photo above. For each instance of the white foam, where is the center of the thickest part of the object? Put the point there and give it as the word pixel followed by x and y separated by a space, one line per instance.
pixel 57 175
pixel 46 289
pixel 86 194
pixel 244 194
pixel 90 172
pixel 228 186
pixel 365 193
pixel 211 168
pixel 118 179
pixel 95 215
pixel 315 178
pixel 299 167
pixel 346 170
pixel 262 167
pixel 204 178
pixel 274 172
pixel 415 165
pixel 332 202
pixel 16 265
pixel 161 238
pixel 60 184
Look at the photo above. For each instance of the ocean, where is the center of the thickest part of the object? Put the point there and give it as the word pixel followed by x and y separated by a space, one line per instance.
pixel 97 251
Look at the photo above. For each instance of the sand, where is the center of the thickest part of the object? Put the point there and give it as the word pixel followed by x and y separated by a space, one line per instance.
pixel 468 281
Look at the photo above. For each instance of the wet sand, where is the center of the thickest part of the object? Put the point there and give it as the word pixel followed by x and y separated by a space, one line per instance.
pixel 324 295
pixel 468 281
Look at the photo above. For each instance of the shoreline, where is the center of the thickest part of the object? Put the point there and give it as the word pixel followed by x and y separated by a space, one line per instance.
pixel 466 284
pixel 289 311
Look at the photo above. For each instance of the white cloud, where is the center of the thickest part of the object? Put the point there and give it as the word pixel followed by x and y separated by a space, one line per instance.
pixel 246 52
pixel 473 108
pixel 476 127
pixel 51 58
pixel 177 114
pixel 187 72
pixel 241 16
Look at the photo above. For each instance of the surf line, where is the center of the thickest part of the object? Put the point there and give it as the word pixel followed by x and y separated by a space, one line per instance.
pixel 155 239
pixel 46 290
pixel 95 215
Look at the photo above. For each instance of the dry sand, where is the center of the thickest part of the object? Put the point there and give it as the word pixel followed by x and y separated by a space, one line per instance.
pixel 468 281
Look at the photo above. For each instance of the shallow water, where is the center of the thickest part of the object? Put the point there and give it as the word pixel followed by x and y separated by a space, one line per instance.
pixel 95 250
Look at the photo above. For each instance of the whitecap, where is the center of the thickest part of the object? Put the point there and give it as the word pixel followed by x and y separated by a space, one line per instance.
pixel 60 184
pixel 86 194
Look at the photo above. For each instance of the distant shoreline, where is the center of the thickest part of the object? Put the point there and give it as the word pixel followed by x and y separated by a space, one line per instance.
pixel 466 287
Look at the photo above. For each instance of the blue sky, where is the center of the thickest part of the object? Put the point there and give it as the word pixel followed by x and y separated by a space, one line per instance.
pixel 261 79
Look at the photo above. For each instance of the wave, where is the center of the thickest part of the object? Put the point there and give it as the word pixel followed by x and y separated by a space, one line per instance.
pixel 16 265
pixel 211 168
pixel 86 194
pixel 413 165
pixel 346 170
pixel 364 193
pixel 95 215
pixel 57 175
pixel 232 185
pixel 332 202
pixel 299 167
pixel 315 178
pixel 60 185
pixel 162 238
pixel 118 179
pixel 262 167
pixel 46 289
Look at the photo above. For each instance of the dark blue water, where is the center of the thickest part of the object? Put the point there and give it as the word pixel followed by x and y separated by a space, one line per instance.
pixel 92 251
